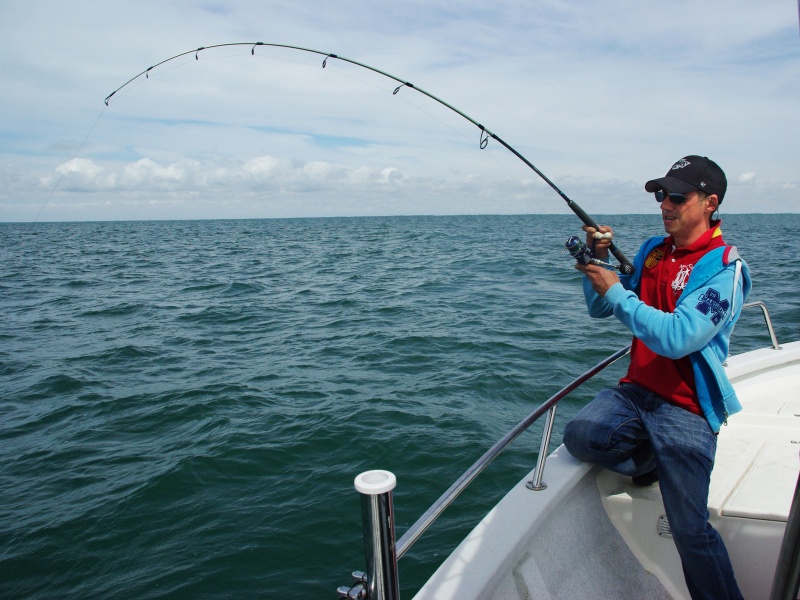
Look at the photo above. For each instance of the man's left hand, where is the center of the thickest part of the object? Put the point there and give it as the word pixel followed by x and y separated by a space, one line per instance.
pixel 600 277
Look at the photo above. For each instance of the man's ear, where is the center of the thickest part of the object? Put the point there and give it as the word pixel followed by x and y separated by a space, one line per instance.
pixel 713 203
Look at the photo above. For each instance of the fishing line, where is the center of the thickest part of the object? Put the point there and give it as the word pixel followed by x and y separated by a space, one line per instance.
pixel 68 165
pixel 131 88
pixel 137 83
pixel 485 136
pixel 409 102
pixel 362 81
pixel 489 154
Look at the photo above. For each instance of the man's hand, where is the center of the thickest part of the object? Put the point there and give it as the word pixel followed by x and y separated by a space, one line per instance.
pixel 599 245
pixel 600 277
pixel 599 241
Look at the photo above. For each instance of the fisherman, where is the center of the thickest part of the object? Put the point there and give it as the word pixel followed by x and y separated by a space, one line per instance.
pixel 660 423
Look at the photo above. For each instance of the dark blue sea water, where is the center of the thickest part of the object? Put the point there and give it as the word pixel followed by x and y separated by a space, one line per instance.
pixel 184 405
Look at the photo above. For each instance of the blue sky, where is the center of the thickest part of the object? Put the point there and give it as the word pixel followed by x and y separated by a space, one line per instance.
pixel 601 96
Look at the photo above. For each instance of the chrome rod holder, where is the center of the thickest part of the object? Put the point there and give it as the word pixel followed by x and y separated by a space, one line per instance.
pixel 377 513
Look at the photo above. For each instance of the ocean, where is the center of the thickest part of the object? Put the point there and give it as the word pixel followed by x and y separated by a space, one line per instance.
pixel 184 405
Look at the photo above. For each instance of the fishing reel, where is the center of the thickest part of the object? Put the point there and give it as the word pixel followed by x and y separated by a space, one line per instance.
pixel 583 255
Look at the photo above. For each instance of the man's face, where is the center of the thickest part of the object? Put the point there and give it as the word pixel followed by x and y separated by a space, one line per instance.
pixel 686 221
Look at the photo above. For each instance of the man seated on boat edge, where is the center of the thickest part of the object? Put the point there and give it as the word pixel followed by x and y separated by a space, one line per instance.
pixel 661 421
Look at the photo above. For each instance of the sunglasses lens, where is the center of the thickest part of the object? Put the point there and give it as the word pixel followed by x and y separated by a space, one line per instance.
pixel 676 199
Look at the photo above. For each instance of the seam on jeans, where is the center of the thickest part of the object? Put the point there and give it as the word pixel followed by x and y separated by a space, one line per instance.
pixel 608 446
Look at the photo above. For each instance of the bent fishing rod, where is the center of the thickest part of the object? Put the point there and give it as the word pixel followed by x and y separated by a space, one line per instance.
pixel 625 265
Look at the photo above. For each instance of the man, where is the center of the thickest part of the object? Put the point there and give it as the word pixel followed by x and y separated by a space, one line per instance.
pixel 660 423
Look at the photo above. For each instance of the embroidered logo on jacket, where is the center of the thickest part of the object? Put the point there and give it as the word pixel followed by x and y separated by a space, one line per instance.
pixel 711 303
pixel 653 258
pixel 681 278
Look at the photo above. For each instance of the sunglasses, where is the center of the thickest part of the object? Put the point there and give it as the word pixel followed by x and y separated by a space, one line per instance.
pixel 676 199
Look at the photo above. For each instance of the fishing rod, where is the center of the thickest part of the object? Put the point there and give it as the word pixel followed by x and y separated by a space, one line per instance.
pixel 625 265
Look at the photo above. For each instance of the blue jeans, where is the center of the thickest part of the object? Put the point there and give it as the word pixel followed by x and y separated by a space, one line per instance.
pixel 630 430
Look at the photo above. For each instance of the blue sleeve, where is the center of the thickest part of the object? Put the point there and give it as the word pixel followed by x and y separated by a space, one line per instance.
pixel 598 307
pixel 697 319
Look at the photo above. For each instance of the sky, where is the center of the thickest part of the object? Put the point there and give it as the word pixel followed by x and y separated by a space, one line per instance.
pixel 600 96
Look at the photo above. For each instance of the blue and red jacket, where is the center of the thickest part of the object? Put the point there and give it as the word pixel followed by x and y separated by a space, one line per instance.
pixel 700 326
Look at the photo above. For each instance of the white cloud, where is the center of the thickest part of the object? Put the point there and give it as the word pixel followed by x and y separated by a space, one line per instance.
pixel 263 166
pixel 81 174
pixel 147 176
pixel 82 166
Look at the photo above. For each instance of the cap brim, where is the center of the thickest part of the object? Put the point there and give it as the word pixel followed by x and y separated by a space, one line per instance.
pixel 673 184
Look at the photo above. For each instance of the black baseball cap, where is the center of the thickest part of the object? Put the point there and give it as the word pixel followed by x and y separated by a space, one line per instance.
pixel 692 173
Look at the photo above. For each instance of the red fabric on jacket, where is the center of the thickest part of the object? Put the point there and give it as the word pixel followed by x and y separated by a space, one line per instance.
pixel 664 277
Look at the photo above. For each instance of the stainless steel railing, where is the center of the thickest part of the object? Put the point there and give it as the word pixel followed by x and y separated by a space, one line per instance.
pixel 765 312
pixel 425 521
